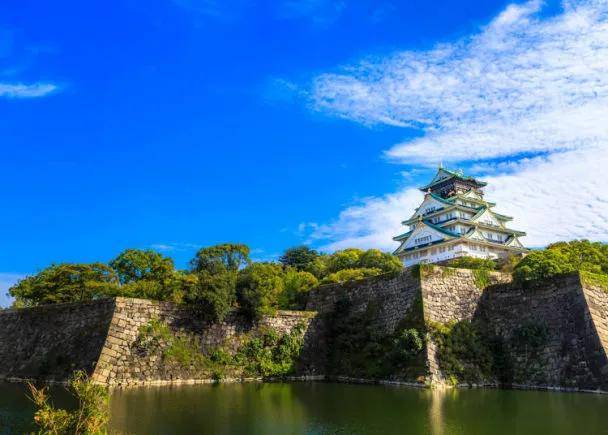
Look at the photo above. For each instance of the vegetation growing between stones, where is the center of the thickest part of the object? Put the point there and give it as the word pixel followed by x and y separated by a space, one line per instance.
pixel 467 353
pixel 462 352
pixel 179 348
pixel 264 352
pixel 359 349
pixel 595 279
pixel 473 263
pixel 481 278
pixel 91 415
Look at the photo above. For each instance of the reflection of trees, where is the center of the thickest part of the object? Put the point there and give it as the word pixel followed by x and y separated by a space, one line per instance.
pixel 218 409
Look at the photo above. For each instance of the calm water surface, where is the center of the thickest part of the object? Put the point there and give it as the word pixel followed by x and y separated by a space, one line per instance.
pixel 325 408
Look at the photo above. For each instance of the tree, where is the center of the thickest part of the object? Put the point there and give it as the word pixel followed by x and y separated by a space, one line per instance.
pixel 542 264
pixel 65 283
pixel 345 275
pixel 346 259
pixel 137 265
pixel 376 259
pixel 258 289
pixel 297 284
pixel 213 296
pixel 227 257
pixel 299 257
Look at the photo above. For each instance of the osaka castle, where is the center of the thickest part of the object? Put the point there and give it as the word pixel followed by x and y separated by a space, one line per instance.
pixel 454 220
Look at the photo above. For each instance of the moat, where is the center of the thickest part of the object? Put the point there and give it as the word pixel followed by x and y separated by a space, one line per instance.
pixel 323 408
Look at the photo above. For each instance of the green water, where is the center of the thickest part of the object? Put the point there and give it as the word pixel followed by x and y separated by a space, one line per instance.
pixel 326 408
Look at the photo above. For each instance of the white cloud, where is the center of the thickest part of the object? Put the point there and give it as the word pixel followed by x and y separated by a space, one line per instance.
pixel 172 247
pixel 525 84
pixel 20 90
pixel 371 223
pixel 6 281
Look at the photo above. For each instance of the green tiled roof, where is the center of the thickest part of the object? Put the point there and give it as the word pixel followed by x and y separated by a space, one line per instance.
pixel 457 174
pixel 441 230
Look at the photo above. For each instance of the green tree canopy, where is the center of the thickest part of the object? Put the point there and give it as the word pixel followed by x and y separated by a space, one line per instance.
pixel 376 259
pixel 65 283
pixel 542 264
pixel 259 287
pixel 227 257
pixel 563 257
pixel 213 295
pixel 346 259
pixel 297 284
pixel 136 265
pixel 299 257
pixel 345 275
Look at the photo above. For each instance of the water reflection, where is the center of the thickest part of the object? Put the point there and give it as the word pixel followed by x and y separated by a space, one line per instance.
pixel 325 408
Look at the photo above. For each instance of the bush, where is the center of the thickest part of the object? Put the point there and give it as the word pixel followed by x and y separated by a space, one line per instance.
pixel 350 275
pixel 270 354
pixel 563 257
pixel 408 343
pixel 90 417
pixel 463 353
pixel 542 264
pixel 296 284
pixel 472 263
pixel 258 289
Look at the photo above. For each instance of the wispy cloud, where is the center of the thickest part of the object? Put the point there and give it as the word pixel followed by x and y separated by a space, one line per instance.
pixel 175 247
pixel 6 281
pixel 20 90
pixel 524 85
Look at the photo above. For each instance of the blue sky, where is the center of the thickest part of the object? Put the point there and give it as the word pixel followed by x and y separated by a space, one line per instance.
pixel 178 124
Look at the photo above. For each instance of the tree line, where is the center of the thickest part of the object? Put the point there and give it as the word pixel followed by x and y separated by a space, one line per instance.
pixel 219 278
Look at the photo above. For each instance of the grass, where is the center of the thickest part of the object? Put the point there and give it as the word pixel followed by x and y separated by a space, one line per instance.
pixel 595 279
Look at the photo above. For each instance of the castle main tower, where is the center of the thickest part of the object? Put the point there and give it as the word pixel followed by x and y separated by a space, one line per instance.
pixel 454 220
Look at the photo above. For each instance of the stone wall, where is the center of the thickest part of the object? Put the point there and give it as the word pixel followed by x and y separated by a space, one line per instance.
pixel 122 362
pixel 392 295
pixel 572 354
pixel 451 295
pixel 574 318
pixel 101 337
pixel 50 342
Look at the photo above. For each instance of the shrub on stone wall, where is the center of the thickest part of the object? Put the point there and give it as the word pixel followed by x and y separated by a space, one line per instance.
pixel 563 257
pixel 264 352
pixel 463 352
pixel 472 263
pixel 358 348
pixel 350 275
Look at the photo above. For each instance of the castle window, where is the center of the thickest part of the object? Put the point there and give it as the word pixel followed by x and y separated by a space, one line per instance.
pixel 421 240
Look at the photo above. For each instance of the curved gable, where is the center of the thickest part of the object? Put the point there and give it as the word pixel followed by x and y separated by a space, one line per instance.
pixel 488 218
